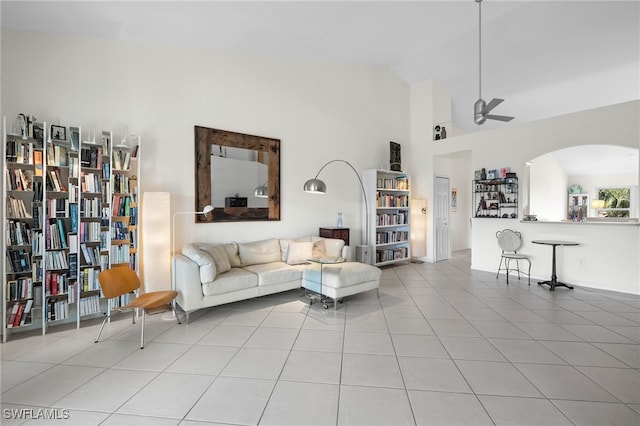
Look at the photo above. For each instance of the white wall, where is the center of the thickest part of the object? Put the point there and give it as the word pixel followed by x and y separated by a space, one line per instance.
pixel 548 190
pixel 319 110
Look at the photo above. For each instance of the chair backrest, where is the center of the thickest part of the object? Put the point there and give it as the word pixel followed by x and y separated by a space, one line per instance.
pixel 508 240
pixel 117 281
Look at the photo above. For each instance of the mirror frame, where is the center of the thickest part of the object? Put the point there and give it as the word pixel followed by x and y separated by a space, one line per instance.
pixel 204 138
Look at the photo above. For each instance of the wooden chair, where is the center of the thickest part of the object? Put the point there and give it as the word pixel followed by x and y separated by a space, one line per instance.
pixel 510 242
pixel 122 280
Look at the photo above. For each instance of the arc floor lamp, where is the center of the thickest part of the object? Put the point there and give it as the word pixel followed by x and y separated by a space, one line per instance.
pixel 317 186
pixel 207 209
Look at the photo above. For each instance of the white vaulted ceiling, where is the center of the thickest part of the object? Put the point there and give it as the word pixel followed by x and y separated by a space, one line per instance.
pixel 545 58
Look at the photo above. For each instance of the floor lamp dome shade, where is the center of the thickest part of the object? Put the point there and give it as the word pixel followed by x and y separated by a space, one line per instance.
pixel 261 191
pixel 315 186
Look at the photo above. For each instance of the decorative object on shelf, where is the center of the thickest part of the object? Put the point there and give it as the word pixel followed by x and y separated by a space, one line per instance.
pixel 575 189
pixel 496 198
pixel 503 172
pixel 340 223
pixel 478 174
pixel 317 186
pixel 443 133
pixel 483 174
pixel 261 191
pixel 436 132
pixel 395 160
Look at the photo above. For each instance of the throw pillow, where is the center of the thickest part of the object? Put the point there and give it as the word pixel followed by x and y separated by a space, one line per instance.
pixel 319 249
pixel 259 252
pixel 219 256
pixel 203 260
pixel 299 252
pixel 232 254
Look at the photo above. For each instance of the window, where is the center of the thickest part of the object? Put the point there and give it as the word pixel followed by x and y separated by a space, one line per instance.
pixel 617 202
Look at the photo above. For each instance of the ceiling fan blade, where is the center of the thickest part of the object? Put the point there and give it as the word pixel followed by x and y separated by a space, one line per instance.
pixel 491 105
pixel 499 117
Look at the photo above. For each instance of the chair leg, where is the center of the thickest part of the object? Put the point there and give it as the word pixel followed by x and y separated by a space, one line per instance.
pixel 506 264
pixel 529 273
pixel 175 313
pixel 142 330
pixel 102 327
pixel 518 266
pixel 499 267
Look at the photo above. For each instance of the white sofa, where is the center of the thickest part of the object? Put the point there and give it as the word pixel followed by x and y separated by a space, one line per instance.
pixel 210 274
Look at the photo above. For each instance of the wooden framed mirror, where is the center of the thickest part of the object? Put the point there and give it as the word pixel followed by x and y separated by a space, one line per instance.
pixel 230 169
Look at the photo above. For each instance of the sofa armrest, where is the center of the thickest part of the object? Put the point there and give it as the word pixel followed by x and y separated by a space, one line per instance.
pixel 188 283
pixel 347 253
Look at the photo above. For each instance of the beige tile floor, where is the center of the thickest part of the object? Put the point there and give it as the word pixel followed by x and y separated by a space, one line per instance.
pixel 442 345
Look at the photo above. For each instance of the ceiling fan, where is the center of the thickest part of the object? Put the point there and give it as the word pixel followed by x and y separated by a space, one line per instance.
pixel 481 109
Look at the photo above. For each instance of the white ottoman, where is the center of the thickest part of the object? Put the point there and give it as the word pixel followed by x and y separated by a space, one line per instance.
pixel 341 279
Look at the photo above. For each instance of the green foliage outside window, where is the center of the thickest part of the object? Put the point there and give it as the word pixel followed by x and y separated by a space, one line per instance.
pixel 616 201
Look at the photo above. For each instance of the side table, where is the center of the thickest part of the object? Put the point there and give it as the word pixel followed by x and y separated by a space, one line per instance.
pixel 337 233
pixel 553 282
pixel 320 295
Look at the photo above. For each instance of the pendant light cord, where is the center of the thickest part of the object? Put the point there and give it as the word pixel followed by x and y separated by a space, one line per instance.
pixel 479 49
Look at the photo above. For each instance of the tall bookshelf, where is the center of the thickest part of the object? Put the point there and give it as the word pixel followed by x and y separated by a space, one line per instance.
pixel 63 225
pixel 388 197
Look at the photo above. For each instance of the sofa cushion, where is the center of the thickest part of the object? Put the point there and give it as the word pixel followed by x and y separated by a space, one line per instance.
pixel 275 273
pixel 299 252
pixel 319 249
pixel 219 256
pixel 258 252
pixel 233 280
pixel 203 260
pixel 233 254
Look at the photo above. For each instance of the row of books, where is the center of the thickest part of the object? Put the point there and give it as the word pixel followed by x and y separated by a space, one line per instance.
pixel 21 288
pixel 90 255
pixel 397 183
pixel 387 200
pixel 20 314
pixel 89 232
pixel 121 205
pixel 55 260
pixel 120 184
pixel 91 156
pixel 74 167
pixel 89 279
pixel 19 151
pixel 37 242
pixel 120 254
pixel 89 305
pixel 18 233
pixel 18 260
pixel 391 254
pixel 90 182
pixel 121 160
pixel 387 219
pixel 56 235
pixel 16 208
pixel 391 237
pixel 57 309
pixel 58 207
pixel 57 155
pixel 55 181
pixel 119 231
pixel 55 283
pixel 90 207
pixel 18 179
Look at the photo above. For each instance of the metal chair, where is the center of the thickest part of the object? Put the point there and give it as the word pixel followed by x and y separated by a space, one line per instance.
pixel 509 242
pixel 122 280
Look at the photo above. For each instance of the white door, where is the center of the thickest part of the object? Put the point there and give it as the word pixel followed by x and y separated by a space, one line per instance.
pixel 443 237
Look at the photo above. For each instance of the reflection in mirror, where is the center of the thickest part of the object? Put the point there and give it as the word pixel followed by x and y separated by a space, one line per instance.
pixel 238 174
pixel 569 184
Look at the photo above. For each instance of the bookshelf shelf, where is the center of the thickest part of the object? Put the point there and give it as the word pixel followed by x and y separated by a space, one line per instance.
pixel 57 230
